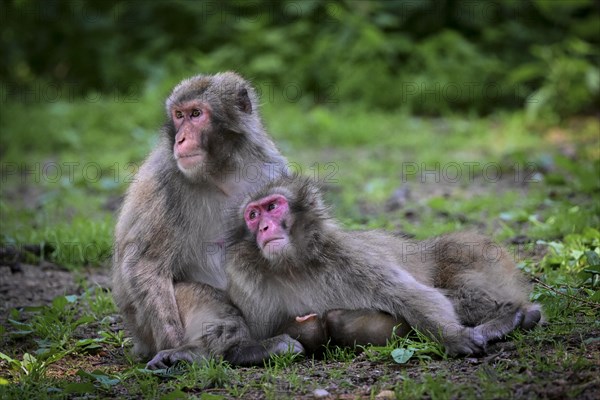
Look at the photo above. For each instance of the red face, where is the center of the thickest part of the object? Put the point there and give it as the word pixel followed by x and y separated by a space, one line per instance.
pixel 266 219
pixel 191 120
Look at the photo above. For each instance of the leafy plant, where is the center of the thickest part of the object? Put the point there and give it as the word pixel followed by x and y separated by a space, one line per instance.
pixel 569 78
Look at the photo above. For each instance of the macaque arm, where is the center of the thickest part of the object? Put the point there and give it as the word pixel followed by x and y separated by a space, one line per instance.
pixel 162 313
pixel 145 295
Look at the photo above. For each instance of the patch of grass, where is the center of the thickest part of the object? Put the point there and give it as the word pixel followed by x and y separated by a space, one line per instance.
pixel 74 243
pixel 414 347
pixel 212 373
pixel 341 354
pixel 53 327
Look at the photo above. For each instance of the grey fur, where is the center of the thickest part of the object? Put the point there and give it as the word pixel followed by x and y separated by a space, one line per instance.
pixel 447 287
pixel 171 225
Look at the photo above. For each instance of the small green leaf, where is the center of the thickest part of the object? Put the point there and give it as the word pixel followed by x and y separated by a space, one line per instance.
pixel 438 203
pixel 20 325
pixel 592 340
pixel 59 302
pixel 85 387
pixel 211 396
pixel 99 376
pixel 592 258
pixel 72 298
pixel 29 359
pixel 91 349
pixel 7 358
pixel 85 320
pixel 174 395
pixel 516 215
pixel 401 356
pixel 20 333
pixel 106 380
pixel 33 309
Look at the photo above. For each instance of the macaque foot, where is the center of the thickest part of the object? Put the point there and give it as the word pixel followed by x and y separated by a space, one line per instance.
pixel 283 344
pixel 255 353
pixel 497 329
pixel 464 342
pixel 532 317
pixel 167 358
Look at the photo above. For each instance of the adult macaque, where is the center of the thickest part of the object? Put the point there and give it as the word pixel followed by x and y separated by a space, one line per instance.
pixel 168 254
pixel 287 257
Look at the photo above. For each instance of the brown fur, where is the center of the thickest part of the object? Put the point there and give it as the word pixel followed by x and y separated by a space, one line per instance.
pixel 346 328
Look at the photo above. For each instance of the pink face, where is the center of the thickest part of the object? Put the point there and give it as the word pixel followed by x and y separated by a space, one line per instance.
pixel 265 218
pixel 191 120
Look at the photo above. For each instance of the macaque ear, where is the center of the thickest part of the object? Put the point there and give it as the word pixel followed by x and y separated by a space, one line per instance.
pixel 312 195
pixel 243 101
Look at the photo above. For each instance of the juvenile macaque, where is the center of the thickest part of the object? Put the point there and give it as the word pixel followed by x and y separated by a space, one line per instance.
pixel 168 253
pixel 287 257
pixel 345 328
pixel 351 327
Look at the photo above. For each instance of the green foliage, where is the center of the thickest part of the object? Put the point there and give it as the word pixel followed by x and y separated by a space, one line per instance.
pixel 565 75
pixel 53 327
pixel 28 366
pixel 344 354
pixel 212 372
pixel 79 242
pixel 277 362
pixel 575 257
pixel 448 72
pixel 415 346
pixel 428 57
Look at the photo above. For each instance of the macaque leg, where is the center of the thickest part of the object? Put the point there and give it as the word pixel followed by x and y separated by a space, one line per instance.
pixel 485 286
pixel 362 327
pixel 309 330
pixel 532 317
pixel 495 310
pixel 214 328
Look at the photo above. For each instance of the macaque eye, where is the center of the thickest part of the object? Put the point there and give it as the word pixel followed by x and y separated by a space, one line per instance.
pixel 271 206
pixel 252 215
pixel 196 113
pixel 178 114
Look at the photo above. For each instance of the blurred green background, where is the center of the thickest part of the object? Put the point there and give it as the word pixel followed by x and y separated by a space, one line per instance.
pixel 417 116
pixel 477 55
pixel 356 93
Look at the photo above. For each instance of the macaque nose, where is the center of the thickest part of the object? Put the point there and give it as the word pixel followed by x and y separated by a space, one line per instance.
pixel 264 226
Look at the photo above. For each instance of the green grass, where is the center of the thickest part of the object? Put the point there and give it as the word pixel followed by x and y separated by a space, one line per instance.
pixel 548 193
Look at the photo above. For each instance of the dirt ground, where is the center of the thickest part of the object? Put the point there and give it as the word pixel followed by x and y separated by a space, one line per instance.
pixel 23 285
pixel 29 285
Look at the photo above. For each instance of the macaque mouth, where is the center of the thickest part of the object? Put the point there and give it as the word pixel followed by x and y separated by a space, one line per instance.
pixel 189 160
pixel 189 155
pixel 271 240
